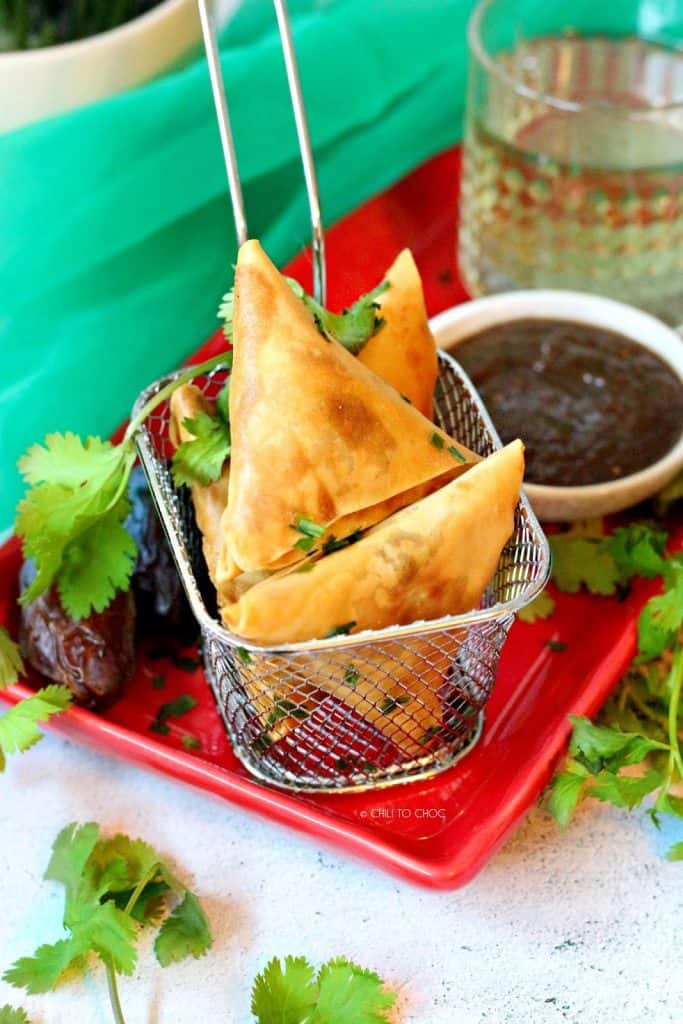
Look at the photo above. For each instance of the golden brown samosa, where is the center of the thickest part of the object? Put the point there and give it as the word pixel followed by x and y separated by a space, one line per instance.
pixel 433 558
pixel 403 351
pixel 316 435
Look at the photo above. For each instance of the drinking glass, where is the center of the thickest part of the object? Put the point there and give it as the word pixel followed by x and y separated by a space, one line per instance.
pixel 573 160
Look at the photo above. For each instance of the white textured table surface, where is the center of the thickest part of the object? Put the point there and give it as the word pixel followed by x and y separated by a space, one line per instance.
pixel 578 927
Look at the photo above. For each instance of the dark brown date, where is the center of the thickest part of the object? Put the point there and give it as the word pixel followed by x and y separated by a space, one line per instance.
pixel 95 657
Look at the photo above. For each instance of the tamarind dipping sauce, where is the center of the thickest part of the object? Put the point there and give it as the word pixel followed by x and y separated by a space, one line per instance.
pixel 590 405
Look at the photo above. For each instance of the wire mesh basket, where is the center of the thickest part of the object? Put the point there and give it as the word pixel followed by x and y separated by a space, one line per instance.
pixel 374 708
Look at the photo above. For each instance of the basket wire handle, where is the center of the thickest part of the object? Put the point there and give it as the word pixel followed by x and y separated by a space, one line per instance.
pixel 303 136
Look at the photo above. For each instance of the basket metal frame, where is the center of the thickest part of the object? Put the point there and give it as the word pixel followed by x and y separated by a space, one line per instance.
pixel 219 641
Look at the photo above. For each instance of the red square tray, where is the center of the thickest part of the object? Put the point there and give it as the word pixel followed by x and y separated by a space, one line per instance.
pixel 442 831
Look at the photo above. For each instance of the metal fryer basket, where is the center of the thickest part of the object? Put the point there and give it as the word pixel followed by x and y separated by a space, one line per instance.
pixel 375 708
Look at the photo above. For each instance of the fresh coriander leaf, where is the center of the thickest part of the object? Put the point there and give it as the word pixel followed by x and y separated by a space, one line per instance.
pixel 184 933
pixel 67 460
pixel 74 486
pixel 564 795
pixel 172 709
pixel 429 735
pixel 306 526
pixel 244 655
pixel 351 995
pixel 671 804
pixel 201 459
pixel 556 645
pixel 332 544
pixel 110 933
pixel 19 726
pixel 118 864
pixel 542 607
pixel 452 450
pixel 306 567
pixel 675 852
pixel 71 852
pixel 190 742
pixel 638 550
pixel 10 1015
pixel 623 790
pixel 305 544
pixel 601 747
pixel 285 996
pixel 436 439
pixel 583 560
pixel 661 619
pixel 158 682
pixel 11 663
pixel 339 630
pixel 41 972
pixel 351 676
pixel 98 564
pixel 390 704
pixel 355 326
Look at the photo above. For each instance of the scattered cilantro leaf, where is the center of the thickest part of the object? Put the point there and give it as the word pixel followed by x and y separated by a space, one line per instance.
pixel 351 995
pixel 624 790
pixel 75 505
pixel 201 459
pixel 11 662
pixel 191 742
pixel 172 709
pixel 158 681
pixel 676 852
pixel 287 995
pixel 456 453
pixel 556 645
pixel 244 655
pixel 332 544
pixel 11 1015
pixel 346 627
pixel 542 607
pixel 583 561
pixel 184 933
pixel 19 726
pixel 351 676
pixel 355 326
pixel 111 886
pixel 565 794
pixel 342 993
pixel 306 526
pixel 390 704
pixel 436 440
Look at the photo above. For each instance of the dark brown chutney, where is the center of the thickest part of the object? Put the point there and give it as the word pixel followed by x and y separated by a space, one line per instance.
pixel 589 404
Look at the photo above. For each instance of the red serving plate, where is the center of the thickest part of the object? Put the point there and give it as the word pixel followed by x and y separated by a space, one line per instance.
pixel 442 831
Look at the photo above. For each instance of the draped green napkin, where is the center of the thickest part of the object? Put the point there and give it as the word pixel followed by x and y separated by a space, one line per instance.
pixel 116 237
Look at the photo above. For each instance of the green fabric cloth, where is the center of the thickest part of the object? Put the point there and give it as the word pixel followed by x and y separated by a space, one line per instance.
pixel 116 236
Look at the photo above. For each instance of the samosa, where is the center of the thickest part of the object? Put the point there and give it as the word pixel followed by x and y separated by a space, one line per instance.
pixel 321 445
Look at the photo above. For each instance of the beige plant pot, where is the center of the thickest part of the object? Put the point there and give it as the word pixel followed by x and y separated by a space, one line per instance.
pixel 40 83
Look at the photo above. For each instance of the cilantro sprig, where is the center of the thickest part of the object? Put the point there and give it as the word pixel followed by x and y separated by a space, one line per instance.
pixel 640 727
pixel 341 992
pixel 19 726
pixel 352 328
pixel 113 889
pixel 71 519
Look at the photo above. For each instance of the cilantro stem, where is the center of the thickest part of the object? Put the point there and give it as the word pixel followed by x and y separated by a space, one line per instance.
pixel 187 375
pixel 137 891
pixel 114 993
pixel 676 680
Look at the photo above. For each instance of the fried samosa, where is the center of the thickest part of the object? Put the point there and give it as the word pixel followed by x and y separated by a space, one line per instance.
pixel 403 351
pixel 433 558
pixel 317 436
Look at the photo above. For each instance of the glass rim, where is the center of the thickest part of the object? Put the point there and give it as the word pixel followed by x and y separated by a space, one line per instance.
pixel 487 59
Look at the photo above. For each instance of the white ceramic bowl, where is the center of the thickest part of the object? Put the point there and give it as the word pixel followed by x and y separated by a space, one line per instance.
pixel 50 80
pixel 566 503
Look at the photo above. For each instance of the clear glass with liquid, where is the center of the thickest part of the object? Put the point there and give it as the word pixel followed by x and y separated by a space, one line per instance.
pixel 573 164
